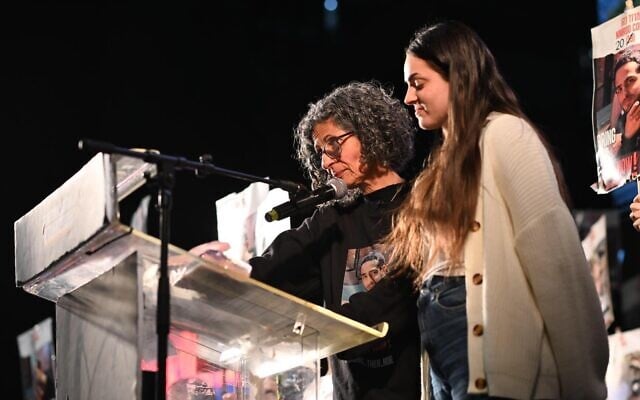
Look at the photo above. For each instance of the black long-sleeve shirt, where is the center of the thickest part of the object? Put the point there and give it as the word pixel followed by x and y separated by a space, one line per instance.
pixel 310 262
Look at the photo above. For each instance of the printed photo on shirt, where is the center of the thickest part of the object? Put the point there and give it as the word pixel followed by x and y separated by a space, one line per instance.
pixel 364 268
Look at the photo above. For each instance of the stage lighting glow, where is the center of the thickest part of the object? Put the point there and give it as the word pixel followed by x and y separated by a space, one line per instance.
pixel 330 5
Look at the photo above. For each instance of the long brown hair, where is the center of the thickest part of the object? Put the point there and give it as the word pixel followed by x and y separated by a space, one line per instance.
pixel 435 218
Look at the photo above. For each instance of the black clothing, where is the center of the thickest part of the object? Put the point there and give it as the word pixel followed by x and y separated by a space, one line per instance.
pixel 310 262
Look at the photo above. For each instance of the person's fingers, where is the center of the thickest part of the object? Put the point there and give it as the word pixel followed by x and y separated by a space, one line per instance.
pixel 209 246
pixel 635 204
pixel 635 212
pixel 212 255
pixel 219 246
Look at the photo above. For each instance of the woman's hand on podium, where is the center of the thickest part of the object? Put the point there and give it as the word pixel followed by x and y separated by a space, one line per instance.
pixel 207 250
pixel 214 252
pixel 210 250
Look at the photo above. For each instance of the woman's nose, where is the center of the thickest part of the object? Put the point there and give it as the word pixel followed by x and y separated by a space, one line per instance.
pixel 410 97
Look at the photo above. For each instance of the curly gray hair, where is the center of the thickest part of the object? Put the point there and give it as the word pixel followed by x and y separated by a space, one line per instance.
pixel 381 123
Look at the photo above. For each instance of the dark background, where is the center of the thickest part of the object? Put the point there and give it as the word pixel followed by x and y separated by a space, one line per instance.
pixel 232 78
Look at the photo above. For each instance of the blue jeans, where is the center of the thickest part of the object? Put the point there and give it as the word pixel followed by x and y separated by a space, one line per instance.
pixel 442 317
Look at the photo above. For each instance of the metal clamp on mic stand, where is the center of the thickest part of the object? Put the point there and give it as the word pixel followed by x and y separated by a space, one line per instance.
pixel 167 165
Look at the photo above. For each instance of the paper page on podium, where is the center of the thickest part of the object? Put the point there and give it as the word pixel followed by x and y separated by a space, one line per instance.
pixel 241 220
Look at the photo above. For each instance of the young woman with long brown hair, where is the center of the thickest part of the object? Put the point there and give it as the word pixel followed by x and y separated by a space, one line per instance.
pixel 507 307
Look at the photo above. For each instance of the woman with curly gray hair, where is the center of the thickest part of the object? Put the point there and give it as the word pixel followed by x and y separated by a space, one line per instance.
pixel 378 124
pixel 361 134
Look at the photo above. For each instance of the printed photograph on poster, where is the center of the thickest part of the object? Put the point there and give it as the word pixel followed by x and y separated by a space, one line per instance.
pixel 35 347
pixel 623 373
pixel 616 100
pixel 241 221
pixel 595 249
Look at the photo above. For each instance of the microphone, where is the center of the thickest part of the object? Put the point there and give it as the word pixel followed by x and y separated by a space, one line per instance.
pixel 334 189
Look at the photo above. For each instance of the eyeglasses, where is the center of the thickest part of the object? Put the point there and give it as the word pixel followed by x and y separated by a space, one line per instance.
pixel 333 146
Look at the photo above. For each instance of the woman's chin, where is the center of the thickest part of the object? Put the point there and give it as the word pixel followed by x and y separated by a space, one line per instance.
pixel 427 125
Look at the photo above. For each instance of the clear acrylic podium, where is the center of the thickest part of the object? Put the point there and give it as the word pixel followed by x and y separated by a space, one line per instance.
pixel 229 333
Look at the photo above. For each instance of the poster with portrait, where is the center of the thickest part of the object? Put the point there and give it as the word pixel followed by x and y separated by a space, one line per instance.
pixel 241 221
pixel 595 249
pixel 616 99
pixel 623 373
pixel 36 349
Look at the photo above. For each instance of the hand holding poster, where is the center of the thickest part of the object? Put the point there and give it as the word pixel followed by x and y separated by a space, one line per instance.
pixel 616 99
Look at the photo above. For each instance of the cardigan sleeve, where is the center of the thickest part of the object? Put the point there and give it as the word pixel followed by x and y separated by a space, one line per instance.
pixel 549 250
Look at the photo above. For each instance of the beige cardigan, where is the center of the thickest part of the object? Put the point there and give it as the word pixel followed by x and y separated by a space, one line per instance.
pixel 535 330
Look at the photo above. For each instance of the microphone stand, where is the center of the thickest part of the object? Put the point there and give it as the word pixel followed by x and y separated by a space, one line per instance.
pixel 167 165
pixel 166 180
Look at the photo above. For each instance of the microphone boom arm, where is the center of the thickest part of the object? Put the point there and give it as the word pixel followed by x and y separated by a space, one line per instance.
pixel 201 168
